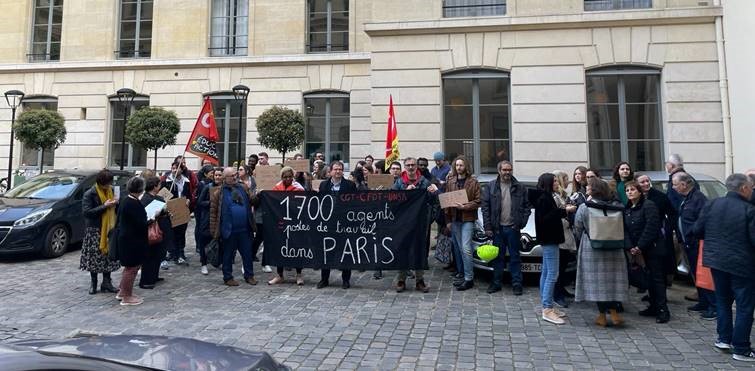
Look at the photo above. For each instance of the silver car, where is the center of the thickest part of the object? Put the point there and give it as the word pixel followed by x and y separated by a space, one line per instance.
pixel 530 250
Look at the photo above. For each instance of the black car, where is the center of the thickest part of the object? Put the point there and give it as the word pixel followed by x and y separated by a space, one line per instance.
pixel 131 352
pixel 44 214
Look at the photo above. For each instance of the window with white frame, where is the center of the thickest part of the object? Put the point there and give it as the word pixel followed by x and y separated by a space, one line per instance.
pixel 133 157
pixel 45 39
pixel 30 157
pixel 135 36
pixel 229 27
pixel 231 143
pixel 328 22
pixel 597 5
pixel 476 120
pixel 624 118
pixel 473 8
pixel 327 129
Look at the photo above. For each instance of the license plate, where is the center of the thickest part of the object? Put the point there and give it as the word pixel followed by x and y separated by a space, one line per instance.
pixel 532 267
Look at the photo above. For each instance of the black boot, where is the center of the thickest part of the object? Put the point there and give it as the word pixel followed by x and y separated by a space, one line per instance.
pixel 107 284
pixel 93 285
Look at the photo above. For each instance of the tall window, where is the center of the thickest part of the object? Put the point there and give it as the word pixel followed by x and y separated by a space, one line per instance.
pixel 624 118
pixel 594 5
pixel 327 125
pixel 231 128
pixel 473 8
pixel 476 118
pixel 134 157
pixel 328 26
pixel 45 40
pixel 30 156
pixel 135 37
pixel 229 27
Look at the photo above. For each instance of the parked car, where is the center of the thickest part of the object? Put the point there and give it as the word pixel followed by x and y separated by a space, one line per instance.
pixel 44 214
pixel 531 252
pixel 131 352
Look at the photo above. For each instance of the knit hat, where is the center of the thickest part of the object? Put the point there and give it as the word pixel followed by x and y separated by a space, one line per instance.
pixel 439 156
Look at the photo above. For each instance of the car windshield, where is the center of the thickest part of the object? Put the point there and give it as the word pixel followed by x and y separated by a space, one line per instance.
pixel 46 186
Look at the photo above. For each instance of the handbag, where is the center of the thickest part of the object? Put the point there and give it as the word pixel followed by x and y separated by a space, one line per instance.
pixel 606 226
pixel 443 249
pixel 569 243
pixel 213 253
pixel 154 233
pixel 639 275
pixel 112 243
pixel 703 276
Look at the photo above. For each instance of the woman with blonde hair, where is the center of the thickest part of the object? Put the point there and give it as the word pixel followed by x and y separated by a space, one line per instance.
pixel 569 246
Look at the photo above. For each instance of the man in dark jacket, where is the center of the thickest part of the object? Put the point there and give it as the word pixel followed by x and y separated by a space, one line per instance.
pixel 675 165
pixel 505 211
pixel 751 176
pixel 411 179
pixel 692 203
pixel 232 222
pixel 668 215
pixel 336 183
pixel 727 225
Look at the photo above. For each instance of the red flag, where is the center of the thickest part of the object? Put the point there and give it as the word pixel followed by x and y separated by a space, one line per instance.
pixel 205 134
pixel 391 137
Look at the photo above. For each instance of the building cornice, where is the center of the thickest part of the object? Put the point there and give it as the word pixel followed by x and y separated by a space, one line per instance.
pixel 643 17
pixel 145 64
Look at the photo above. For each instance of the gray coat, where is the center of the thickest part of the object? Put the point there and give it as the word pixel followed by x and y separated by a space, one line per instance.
pixel 601 274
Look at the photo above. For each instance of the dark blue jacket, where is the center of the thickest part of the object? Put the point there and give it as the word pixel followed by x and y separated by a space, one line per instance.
pixel 727 224
pixel 689 212
pixel 673 195
pixel 346 186
pixel 491 205
pixel 226 220
pixel 202 211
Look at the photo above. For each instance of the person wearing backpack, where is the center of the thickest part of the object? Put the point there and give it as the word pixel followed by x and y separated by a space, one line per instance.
pixel 642 224
pixel 550 233
pixel 601 264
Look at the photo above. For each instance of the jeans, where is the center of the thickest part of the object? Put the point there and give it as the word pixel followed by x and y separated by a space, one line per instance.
pixel 507 238
pixel 705 297
pixel 127 281
pixel 418 273
pixel 729 289
pixel 462 233
pixel 202 242
pixel 458 260
pixel 549 275
pixel 237 241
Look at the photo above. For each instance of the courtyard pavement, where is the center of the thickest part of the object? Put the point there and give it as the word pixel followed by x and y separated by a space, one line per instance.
pixel 369 326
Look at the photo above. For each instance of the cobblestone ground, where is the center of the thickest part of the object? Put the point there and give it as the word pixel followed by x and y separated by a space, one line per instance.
pixel 369 326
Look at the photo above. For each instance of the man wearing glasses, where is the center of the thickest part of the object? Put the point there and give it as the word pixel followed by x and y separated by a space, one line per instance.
pixel 411 179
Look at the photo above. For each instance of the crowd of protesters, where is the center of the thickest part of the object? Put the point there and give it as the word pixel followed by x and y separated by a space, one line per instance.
pixel 639 250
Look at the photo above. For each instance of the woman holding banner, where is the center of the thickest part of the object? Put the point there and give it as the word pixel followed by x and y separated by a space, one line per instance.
pixel 286 184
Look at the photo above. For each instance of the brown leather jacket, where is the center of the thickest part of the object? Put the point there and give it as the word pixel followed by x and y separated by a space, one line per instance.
pixel 468 212
pixel 216 205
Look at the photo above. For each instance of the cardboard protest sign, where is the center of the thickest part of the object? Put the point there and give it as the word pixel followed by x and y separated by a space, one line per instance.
pixel 267 176
pixel 316 184
pixel 299 166
pixel 165 194
pixel 380 181
pixel 449 199
pixel 179 212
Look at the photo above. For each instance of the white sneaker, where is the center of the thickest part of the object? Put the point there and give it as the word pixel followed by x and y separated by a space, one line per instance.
pixel 267 269
pixel 204 270
pixel 723 347
pixel 550 315
pixel 242 270
pixel 749 357
pixel 164 265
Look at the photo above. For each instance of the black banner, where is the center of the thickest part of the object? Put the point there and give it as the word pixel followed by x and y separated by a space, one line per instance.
pixel 363 230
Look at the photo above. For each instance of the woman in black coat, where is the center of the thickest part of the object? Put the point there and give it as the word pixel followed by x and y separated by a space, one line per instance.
pixel 132 240
pixel 179 186
pixel 99 208
pixel 550 233
pixel 202 216
pixel 642 227
pixel 155 253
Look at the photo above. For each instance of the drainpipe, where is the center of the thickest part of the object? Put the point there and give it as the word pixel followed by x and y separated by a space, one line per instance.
pixel 723 85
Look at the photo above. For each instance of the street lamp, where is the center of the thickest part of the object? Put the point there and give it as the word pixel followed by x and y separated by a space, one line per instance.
pixel 125 98
pixel 14 98
pixel 241 92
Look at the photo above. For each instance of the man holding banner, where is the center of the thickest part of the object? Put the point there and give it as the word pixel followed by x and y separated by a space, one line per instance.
pixel 411 179
pixel 335 184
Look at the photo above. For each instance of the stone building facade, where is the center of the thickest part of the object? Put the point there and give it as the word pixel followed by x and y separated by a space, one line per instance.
pixel 546 84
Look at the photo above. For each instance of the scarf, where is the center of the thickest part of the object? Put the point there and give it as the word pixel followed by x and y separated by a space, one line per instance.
pixel 417 178
pixel 108 217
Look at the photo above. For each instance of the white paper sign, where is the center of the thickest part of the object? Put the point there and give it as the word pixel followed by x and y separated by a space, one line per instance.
pixel 117 192
pixel 154 208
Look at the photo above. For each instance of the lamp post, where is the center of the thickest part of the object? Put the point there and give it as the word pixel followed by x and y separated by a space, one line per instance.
pixel 125 98
pixel 14 98
pixel 241 92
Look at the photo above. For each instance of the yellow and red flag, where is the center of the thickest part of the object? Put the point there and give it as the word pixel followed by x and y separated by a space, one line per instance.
pixel 205 135
pixel 391 138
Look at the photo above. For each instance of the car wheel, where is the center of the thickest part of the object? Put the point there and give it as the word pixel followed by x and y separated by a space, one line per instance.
pixel 56 242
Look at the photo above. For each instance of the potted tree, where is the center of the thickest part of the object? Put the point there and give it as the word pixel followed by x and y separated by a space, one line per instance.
pixel 281 129
pixel 43 130
pixel 152 128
